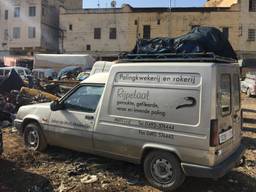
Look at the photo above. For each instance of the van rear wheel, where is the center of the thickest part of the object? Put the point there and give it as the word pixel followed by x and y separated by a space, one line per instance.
pixel 163 170
pixel 34 138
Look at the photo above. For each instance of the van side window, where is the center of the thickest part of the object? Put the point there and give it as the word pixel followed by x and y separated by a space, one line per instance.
pixel 84 99
pixel 236 84
pixel 1 72
pixel 225 100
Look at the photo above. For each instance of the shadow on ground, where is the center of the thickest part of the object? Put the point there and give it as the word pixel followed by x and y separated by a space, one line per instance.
pixel 13 178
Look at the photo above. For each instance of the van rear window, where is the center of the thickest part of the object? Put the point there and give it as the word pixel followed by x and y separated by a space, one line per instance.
pixel 237 100
pixel 225 100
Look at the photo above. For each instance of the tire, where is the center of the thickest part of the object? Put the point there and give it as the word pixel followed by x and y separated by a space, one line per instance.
pixel 248 93
pixel 34 138
pixel 163 170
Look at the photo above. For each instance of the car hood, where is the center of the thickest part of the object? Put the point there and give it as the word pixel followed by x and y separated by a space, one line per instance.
pixel 36 110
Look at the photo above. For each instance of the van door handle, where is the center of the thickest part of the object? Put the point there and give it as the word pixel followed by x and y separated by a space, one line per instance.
pixel 88 117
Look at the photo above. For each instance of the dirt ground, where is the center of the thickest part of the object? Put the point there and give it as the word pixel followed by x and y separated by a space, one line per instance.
pixel 62 170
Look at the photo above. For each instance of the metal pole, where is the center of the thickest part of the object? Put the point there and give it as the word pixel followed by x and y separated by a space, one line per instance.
pixel 169 19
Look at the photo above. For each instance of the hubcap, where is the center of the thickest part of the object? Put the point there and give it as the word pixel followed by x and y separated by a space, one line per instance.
pixel 161 170
pixel 33 138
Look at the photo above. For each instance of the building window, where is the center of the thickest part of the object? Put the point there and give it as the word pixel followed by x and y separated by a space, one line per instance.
pixel 17 12
pixel 31 32
pixel 112 33
pixel 6 35
pixel 43 11
pixel 158 21
pixel 146 32
pixel 225 31
pixel 252 5
pixel 97 33
pixel 70 27
pixel 32 11
pixel 16 33
pixel 88 47
pixel 251 34
pixel 6 14
pixel 136 22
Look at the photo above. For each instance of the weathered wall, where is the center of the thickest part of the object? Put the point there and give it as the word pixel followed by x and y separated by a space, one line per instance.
pixel 82 33
pixel 220 3
pixel 46 23
pixel 24 21
pixel 248 21
pixel 73 4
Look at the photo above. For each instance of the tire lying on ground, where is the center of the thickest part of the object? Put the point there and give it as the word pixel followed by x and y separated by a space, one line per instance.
pixel 34 138
pixel 163 170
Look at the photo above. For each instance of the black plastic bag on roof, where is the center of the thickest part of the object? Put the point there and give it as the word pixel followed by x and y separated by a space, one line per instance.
pixel 199 40
pixel 154 46
pixel 12 82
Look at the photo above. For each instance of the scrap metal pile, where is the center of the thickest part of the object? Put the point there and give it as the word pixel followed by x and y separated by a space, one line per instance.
pixel 15 92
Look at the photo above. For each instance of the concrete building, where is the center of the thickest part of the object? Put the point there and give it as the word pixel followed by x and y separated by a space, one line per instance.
pixel 29 26
pixel 107 32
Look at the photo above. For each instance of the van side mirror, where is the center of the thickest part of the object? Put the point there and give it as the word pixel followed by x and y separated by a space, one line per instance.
pixel 56 105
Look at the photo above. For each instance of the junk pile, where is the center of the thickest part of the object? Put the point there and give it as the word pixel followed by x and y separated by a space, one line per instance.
pixel 199 40
pixel 14 93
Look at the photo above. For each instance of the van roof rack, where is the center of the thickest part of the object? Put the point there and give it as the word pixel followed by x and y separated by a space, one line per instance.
pixel 178 57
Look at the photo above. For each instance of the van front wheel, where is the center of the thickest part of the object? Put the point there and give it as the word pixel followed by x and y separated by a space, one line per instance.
pixel 163 170
pixel 34 138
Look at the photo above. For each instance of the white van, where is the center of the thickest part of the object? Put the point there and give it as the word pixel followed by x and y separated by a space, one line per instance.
pixel 44 74
pixel 101 67
pixel 22 71
pixel 177 118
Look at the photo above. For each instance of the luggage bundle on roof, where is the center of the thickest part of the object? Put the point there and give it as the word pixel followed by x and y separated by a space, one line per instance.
pixel 202 43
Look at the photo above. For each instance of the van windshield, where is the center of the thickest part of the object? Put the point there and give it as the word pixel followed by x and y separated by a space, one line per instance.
pixel 225 86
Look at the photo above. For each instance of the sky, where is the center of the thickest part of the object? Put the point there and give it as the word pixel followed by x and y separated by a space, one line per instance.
pixel 145 3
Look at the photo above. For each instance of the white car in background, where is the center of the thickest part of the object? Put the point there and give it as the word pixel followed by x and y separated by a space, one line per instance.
pixel 248 85
pixel 22 71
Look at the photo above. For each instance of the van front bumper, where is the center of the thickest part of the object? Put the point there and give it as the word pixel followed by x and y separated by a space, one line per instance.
pixel 217 171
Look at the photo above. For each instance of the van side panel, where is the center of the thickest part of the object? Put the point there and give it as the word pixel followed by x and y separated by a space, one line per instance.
pixel 165 106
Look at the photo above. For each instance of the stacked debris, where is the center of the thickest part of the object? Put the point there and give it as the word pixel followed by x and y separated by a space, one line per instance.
pixel 14 94
pixel 7 103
